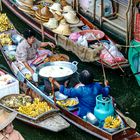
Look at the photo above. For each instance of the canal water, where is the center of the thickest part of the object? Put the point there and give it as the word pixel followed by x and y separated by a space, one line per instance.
pixel 124 89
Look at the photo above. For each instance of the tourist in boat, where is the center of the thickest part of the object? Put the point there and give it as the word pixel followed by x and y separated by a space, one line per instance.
pixel 86 92
pixel 27 50
pixel 7 131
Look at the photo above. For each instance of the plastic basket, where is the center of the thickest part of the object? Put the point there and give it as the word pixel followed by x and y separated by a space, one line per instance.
pixel 12 88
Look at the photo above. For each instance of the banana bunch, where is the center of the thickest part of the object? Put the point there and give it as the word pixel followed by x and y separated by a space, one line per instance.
pixel 34 109
pixel 67 103
pixel 112 122
pixel 5 39
pixel 5 23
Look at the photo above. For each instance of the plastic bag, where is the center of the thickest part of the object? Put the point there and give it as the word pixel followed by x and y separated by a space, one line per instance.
pixel 82 41
pixel 111 54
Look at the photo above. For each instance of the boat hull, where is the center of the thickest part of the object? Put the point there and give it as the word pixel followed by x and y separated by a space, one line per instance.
pixel 134 59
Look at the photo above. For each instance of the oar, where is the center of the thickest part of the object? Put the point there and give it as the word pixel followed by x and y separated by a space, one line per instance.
pixel 129 121
pixel 41 24
pixel 53 93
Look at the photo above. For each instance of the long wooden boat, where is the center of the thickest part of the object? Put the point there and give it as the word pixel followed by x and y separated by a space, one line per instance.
pixel 51 121
pixel 134 59
pixel 125 133
pixel 121 134
pixel 63 41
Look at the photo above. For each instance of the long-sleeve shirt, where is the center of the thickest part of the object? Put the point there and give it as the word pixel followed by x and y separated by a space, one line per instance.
pixel 86 96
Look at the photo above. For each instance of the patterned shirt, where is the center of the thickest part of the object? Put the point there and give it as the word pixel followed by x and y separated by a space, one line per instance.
pixel 25 52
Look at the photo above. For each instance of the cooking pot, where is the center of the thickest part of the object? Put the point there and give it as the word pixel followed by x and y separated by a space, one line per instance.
pixel 70 65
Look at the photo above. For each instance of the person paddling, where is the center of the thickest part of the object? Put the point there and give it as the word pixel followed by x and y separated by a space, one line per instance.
pixel 86 92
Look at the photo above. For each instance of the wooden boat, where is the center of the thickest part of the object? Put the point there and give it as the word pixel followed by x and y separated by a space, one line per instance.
pixel 64 41
pixel 134 59
pixel 121 134
pixel 114 16
pixel 125 133
pixel 51 121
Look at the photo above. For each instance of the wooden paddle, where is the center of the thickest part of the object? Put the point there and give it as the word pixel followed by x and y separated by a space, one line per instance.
pixel 129 121
pixel 53 93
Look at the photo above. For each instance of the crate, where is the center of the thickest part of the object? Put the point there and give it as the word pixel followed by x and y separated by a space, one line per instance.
pixel 12 88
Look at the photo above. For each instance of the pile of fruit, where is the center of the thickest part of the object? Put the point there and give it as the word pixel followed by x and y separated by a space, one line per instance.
pixel 35 109
pixel 112 122
pixel 16 101
pixel 67 103
pixel 5 23
pixel 5 39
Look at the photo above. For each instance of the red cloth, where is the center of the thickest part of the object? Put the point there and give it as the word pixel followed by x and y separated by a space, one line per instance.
pixel 137 28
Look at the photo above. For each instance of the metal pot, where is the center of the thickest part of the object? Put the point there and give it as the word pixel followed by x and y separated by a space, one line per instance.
pixel 72 66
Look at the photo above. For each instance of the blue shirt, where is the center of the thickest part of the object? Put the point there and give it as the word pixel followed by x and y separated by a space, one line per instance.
pixel 86 96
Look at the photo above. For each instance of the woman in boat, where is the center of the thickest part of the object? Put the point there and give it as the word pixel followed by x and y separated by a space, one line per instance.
pixel 86 92
pixel 27 50
pixel 7 131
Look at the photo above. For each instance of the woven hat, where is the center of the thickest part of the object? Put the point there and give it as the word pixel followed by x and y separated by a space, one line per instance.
pixel 62 21
pixel 48 1
pixel 56 7
pixel 63 29
pixel 58 17
pixel 71 17
pixel 6 118
pixel 67 8
pixel 26 10
pixel 63 3
pixel 52 23
pixel 43 14
pixel 28 3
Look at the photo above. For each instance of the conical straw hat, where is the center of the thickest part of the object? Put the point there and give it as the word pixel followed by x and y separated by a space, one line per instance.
pixel 52 23
pixel 67 8
pixel 6 118
pixel 63 29
pixel 56 7
pixel 28 3
pixel 43 13
pixel 71 17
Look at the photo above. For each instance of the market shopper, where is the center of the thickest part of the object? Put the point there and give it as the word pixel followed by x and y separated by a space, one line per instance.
pixel 86 92
pixel 27 50
pixel 7 131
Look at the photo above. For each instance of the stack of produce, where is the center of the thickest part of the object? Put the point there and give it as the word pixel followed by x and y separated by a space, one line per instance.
pixel 35 109
pixel 5 39
pixel 112 122
pixel 67 103
pixel 5 23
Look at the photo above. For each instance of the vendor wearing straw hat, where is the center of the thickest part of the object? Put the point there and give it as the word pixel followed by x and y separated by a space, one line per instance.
pixel 27 50
pixel 6 128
